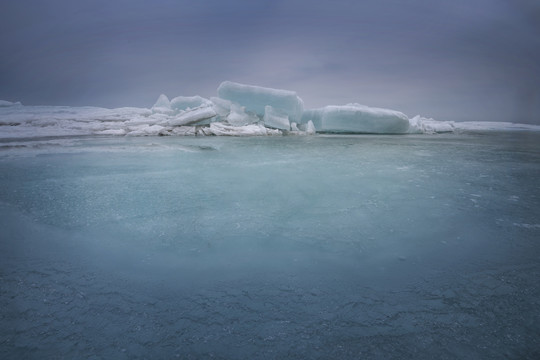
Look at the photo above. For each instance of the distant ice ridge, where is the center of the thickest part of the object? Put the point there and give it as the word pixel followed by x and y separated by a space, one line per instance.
pixel 4 103
pixel 421 125
pixel 238 110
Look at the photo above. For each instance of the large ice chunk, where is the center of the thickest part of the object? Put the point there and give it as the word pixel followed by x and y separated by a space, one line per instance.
pixel 309 128
pixel 356 118
pixel 255 98
pixel 188 102
pixel 239 117
pixel 276 119
pixel 193 116
pixel 162 105
pixel 314 116
pixel 221 106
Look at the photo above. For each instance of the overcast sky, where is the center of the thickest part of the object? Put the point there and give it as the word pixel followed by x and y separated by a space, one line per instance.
pixel 450 60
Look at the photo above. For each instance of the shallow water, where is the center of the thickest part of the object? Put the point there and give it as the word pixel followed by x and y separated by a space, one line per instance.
pixel 276 247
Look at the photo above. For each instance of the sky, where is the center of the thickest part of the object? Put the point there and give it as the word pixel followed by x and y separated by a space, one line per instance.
pixel 460 60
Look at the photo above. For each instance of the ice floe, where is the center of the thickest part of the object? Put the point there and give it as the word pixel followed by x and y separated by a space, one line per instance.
pixel 356 118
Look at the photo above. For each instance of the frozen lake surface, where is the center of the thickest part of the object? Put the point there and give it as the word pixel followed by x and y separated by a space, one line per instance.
pixel 331 247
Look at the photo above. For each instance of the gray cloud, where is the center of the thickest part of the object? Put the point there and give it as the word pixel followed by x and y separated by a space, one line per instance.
pixel 450 60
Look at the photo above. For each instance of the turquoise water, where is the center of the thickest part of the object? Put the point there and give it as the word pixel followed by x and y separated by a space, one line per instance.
pixel 275 247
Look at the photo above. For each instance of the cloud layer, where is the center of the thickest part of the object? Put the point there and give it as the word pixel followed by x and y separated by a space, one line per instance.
pixel 449 60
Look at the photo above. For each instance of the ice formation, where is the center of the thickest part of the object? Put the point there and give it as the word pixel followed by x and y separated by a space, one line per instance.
pixel 356 118
pixel 276 119
pixel 162 105
pixel 188 102
pixel 4 103
pixel 421 125
pixel 256 98
pixel 198 116
pixel 241 110
pixel 238 116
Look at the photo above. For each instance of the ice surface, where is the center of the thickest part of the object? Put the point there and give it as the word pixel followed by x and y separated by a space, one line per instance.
pixel 276 119
pixel 256 98
pixel 290 247
pixel 356 118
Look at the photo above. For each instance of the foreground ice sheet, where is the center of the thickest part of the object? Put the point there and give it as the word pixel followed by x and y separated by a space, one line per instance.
pixel 238 106
pixel 314 247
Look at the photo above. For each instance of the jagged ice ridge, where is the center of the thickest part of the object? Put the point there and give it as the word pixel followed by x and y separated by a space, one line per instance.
pixel 238 110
